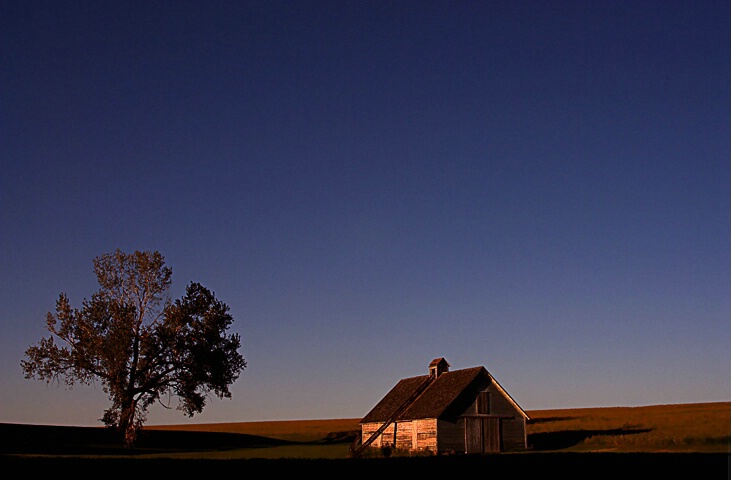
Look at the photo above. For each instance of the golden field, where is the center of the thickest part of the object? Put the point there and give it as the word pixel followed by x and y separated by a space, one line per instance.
pixel 704 427
pixel 663 441
pixel 685 428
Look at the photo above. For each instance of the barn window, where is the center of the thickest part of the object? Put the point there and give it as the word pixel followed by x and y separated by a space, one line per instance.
pixel 483 403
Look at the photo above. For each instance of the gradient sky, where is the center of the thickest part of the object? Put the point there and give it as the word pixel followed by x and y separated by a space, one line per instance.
pixel 539 187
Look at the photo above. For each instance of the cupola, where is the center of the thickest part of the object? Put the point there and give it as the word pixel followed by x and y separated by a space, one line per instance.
pixel 438 366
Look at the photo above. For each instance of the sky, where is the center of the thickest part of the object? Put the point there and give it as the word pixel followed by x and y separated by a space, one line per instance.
pixel 537 187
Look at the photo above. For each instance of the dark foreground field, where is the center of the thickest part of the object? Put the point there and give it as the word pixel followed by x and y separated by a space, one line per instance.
pixel 703 466
pixel 40 450
pixel 654 442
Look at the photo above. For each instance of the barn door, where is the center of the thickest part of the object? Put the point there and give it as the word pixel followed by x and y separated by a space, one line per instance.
pixel 482 435
pixel 491 435
pixel 473 435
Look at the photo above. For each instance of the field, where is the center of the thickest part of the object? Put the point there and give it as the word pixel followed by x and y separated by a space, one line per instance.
pixel 662 428
pixel 621 439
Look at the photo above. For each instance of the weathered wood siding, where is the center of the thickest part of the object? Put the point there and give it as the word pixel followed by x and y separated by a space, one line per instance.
pixel 500 405
pixel 426 434
pixel 512 423
pixel 514 433
pixel 451 436
pixel 411 435
pixel 368 429
pixel 513 429
pixel 404 435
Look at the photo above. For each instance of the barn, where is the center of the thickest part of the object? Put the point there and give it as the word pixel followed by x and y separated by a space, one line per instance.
pixel 459 411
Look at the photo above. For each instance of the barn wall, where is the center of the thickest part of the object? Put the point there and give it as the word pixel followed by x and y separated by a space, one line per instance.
pixel 404 435
pixel 422 435
pixel 368 429
pixel 514 434
pixel 426 434
pixel 513 429
pixel 451 436
pixel 411 435
pixel 513 425
pixel 499 403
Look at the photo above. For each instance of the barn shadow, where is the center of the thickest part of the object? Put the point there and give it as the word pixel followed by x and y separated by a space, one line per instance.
pixel 547 441
pixel 549 419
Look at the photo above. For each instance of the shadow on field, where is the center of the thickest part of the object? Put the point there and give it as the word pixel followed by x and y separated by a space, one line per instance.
pixel 550 419
pixel 60 440
pixel 547 441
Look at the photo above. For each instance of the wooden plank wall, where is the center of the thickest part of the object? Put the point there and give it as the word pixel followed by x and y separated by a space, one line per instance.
pixel 426 434
pixel 411 435
pixel 514 434
pixel 452 436
pixel 513 429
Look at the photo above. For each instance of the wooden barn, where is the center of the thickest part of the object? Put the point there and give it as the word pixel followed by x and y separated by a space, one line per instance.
pixel 460 411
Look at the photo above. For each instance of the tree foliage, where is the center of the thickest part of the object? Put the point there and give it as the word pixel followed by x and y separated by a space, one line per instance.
pixel 141 346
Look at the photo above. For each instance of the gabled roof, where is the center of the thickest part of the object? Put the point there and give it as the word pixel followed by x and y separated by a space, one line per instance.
pixel 434 401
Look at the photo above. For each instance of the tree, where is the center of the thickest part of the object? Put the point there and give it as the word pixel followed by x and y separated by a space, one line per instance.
pixel 140 345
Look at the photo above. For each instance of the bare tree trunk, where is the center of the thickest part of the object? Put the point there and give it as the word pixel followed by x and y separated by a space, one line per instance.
pixel 127 425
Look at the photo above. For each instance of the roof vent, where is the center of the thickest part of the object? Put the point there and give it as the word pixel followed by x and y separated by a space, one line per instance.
pixel 438 366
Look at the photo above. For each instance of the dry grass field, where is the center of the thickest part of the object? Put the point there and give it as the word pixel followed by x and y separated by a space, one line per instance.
pixel 704 427
pixel 289 430
pixel 629 441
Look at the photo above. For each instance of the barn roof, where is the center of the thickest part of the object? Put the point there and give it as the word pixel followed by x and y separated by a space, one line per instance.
pixel 433 402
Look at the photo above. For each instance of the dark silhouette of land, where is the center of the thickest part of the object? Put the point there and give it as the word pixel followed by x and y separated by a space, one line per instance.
pixel 61 440
pixel 42 449
pixel 707 466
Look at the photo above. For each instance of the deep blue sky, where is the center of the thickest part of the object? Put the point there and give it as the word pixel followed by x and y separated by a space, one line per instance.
pixel 539 187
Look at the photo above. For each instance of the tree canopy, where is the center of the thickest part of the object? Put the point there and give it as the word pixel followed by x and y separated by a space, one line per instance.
pixel 138 343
